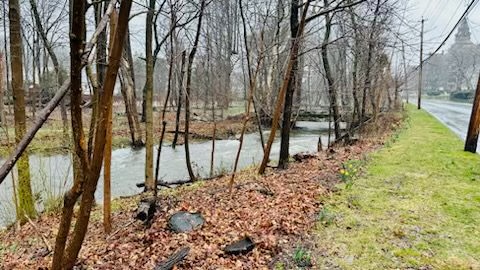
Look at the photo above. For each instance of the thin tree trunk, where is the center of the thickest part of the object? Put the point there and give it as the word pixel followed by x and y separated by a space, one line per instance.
pixel 148 108
pixel 356 56
pixel 283 89
pixel 180 101
pixel 7 69
pixel 287 108
pixel 101 64
pixel 54 102
pixel 188 91
pixel 371 45
pixel 2 91
pixel 86 168
pixel 245 39
pixel 332 91
pixel 128 92
pixel 26 206
pixel 107 173
pixel 252 84
pixel 163 121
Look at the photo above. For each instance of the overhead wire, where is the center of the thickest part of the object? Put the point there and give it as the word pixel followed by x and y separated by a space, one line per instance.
pixel 472 4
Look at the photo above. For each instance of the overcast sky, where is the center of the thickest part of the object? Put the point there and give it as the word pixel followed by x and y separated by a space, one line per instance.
pixel 440 17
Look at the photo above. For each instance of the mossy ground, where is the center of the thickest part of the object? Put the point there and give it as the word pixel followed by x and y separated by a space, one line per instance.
pixel 416 206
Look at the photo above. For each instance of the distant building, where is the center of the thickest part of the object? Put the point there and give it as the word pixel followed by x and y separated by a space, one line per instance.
pixel 457 69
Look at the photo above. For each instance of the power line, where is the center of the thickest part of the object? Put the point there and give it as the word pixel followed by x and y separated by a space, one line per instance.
pixel 472 4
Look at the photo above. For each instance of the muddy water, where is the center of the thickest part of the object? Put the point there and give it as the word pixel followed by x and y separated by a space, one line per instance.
pixel 52 175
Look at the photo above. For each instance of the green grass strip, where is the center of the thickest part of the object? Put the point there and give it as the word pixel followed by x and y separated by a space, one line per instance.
pixel 416 206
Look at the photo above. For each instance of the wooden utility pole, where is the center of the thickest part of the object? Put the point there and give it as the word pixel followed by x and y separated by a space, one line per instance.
pixel 420 73
pixel 474 126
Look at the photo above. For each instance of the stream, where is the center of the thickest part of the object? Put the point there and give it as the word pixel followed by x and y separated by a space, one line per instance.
pixel 52 175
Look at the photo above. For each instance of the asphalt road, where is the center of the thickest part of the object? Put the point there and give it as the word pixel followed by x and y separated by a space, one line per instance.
pixel 454 115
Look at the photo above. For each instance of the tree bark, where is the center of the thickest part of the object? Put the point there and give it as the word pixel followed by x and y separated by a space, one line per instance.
pixel 87 170
pixel 128 92
pixel 2 90
pixel 107 173
pixel 332 92
pixel 287 108
pixel 26 206
pixel 282 93
pixel 371 46
pixel 191 56
pixel 180 101
pixel 148 108
pixel 53 103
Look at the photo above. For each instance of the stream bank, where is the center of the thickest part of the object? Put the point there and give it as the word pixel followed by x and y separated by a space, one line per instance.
pixel 274 220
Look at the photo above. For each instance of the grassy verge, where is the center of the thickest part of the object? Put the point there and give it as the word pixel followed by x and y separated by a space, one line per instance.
pixel 417 206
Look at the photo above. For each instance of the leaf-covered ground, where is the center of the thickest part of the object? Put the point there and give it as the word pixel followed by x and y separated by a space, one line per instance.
pixel 276 210
pixel 417 206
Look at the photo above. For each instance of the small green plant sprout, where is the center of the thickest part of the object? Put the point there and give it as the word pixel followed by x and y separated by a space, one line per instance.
pixel 302 257
pixel 279 266
pixel 326 217
pixel 349 172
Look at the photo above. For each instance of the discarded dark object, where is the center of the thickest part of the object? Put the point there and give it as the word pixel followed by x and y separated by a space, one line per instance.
pixel 173 259
pixel 183 221
pixel 242 246
pixel 302 156
pixel 146 209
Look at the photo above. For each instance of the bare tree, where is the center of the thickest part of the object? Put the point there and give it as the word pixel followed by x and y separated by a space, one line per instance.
pixel 188 86
pixel 26 206
pixel 87 169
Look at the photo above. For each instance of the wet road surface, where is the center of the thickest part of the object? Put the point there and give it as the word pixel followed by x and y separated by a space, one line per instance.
pixel 454 115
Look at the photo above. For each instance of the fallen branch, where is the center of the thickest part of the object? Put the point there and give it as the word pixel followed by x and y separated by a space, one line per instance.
pixel 53 103
pixel 173 259
pixel 194 135
pixel 121 228
pixel 44 239
pixel 178 182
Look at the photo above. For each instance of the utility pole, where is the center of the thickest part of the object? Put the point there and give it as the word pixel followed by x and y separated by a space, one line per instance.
pixel 474 126
pixel 420 74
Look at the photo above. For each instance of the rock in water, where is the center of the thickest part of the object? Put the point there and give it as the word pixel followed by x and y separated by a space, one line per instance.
pixel 183 221
pixel 240 247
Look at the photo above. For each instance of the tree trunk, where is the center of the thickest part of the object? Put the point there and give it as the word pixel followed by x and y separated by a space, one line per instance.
pixel 86 169
pixel 332 92
pixel 148 108
pixel 287 108
pixel 165 104
pixel 128 92
pixel 107 173
pixel 26 206
pixel 2 90
pixel 356 56
pixel 371 46
pixel 180 101
pixel 53 103
pixel 56 66
pixel 191 56
pixel 281 94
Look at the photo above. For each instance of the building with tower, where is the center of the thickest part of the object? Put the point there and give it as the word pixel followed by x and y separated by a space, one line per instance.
pixel 455 70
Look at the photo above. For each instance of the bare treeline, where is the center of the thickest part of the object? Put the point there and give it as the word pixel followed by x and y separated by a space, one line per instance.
pixel 277 60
